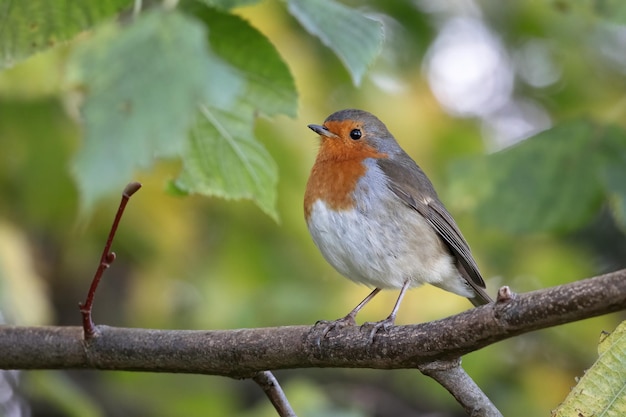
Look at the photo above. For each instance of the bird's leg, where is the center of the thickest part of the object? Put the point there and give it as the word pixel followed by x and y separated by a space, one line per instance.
pixel 390 320
pixel 348 320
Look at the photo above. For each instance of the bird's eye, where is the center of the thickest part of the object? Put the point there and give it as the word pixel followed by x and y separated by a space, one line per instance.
pixel 355 134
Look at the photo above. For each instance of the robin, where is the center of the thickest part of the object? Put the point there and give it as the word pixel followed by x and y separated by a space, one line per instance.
pixel 376 218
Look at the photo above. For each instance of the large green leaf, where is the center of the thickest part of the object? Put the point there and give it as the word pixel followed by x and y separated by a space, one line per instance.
pixel 355 38
pixel 142 84
pixel 28 26
pixel 225 160
pixel 545 183
pixel 270 88
pixel 612 165
pixel 554 181
pixel 602 390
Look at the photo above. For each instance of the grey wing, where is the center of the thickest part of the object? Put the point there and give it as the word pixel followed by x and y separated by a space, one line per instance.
pixel 429 206
pixel 446 228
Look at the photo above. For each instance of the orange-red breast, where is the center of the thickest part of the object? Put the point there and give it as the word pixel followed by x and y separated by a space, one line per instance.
pixel 376 217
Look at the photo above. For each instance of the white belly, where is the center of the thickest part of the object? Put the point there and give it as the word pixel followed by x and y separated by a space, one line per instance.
pixel 384 247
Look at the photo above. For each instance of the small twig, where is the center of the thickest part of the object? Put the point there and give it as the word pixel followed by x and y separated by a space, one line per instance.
pixel 453 377
pixel 107 258
pixel 271 388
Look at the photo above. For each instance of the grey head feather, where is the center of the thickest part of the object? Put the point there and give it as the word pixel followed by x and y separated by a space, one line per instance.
pixel 375 132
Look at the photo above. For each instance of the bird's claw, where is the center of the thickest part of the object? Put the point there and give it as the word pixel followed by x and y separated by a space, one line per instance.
pixel 376 327
pixel 326 326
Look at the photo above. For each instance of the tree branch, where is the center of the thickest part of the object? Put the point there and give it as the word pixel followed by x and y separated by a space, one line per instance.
pixel 453 377
pixel 274 392
pixel 245 352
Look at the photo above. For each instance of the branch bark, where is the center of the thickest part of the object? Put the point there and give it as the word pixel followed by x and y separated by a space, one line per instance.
pixel 433 348
pixel 453 377
pixel 274 393
pixel 243 353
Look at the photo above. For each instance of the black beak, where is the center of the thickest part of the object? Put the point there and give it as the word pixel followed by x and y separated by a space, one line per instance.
pixel 322 131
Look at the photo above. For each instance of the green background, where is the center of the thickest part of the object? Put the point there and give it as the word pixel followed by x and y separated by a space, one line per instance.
pixel 547 211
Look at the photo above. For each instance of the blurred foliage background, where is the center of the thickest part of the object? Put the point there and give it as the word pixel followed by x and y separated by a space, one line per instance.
pixel 465 86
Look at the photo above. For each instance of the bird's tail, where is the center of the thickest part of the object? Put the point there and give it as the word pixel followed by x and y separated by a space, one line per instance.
pixel 481 297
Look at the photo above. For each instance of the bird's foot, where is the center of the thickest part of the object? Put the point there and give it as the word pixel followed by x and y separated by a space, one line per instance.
pixel 328 325
pixel 323 327
pixel 377 327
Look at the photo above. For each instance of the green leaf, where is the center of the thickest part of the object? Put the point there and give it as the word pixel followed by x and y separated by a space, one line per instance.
pixel 355 38
pixel 225 160
pixel 270 88
pixel 613 173
pixel 554 181
pixel 602 390
pixel 142 84
pixel 547 182
pixel 29 26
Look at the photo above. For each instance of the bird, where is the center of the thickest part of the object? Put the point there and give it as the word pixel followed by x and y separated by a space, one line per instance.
pixel 376 218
